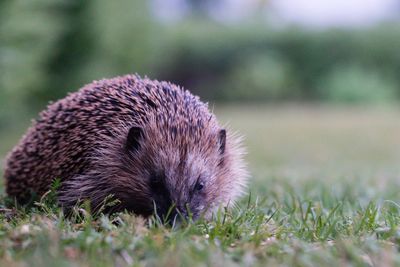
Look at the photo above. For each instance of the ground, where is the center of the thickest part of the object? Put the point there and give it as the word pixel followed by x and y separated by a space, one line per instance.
pixel 323 192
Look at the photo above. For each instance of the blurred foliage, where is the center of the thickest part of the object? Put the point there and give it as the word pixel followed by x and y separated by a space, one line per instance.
pixel 356 84
pixel 217 67
pixel 261 77
pixel 50 47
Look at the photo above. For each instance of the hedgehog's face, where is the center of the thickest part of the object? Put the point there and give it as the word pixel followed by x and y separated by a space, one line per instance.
pixel 175 201
pixel 181 184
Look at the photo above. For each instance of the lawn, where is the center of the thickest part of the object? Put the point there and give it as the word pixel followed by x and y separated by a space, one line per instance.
pixel 323 192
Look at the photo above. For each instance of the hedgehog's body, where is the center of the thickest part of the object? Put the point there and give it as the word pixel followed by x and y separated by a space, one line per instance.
pixel 144 142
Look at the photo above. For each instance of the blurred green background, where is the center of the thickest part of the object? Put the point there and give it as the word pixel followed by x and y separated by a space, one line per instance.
pixel 51 47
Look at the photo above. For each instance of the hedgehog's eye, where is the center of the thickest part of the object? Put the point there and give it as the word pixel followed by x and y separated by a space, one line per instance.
pixel 199 186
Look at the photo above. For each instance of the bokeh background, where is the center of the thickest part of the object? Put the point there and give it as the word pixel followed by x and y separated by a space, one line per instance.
pixel 314 86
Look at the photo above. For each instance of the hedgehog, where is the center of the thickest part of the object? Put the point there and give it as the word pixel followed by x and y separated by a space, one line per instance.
pixel 152 146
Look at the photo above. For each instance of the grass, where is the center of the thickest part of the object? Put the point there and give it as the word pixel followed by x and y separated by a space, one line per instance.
pixel 324 192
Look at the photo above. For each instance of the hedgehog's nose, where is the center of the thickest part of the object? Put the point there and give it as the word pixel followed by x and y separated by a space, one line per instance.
pixel 162 209
pixel 172 214
pixel 182 212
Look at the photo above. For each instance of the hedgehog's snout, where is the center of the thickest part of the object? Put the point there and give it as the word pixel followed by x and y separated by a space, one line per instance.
pixel 171 214
pixel 169 211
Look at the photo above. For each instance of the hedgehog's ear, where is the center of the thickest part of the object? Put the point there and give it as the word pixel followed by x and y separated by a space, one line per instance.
pixel 135 134
pixel 222 141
